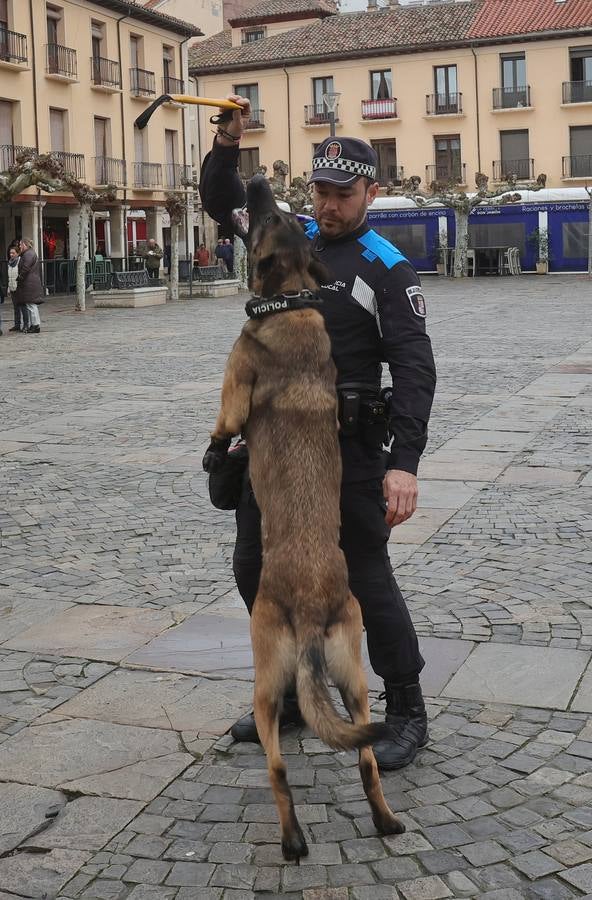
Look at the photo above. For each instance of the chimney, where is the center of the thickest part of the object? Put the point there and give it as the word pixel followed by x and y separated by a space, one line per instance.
pixel 372 4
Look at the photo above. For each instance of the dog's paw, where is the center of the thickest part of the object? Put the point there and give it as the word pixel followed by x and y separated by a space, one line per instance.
pixel 388 824
pixel 215 455
pixel 294 846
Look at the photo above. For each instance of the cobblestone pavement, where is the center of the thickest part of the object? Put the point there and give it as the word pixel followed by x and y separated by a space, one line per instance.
pixel 124 650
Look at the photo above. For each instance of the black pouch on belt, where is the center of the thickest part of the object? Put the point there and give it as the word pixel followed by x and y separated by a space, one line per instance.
pixel 225 485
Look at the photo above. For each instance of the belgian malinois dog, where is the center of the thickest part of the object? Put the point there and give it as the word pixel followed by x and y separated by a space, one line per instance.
pixel 306 627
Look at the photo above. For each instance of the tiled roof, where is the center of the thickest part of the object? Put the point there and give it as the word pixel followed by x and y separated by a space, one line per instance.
pixel 343 35
pixel 499 18
pixel 284 10
pixel 142 10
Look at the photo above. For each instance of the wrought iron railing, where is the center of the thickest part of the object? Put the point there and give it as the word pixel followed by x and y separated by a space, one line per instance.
pixel 9 154
pixel 503 169
pixel 390 174
pixel 176 176
pixel 105 72
pixel 73 163
pixel 380 109
pixel 171 85
pixel 318 115
pixel 147 175
pixel 61 61
pixel 577 91
pixel 142 82
pixel 511 97
pixel 13 46
pixel 577 166
pixel 452 172
pixel 257 119
pixel 443 104
pixel 110 171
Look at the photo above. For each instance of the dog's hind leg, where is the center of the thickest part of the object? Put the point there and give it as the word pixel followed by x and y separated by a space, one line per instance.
pixel 345 665
pixel 274 654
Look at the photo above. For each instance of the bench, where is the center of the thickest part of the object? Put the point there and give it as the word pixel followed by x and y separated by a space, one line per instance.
pixel 208 273
pixel 132 290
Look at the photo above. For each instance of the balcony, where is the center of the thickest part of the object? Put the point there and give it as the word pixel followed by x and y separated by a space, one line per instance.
pixel 444 104
pixel 390 175
pixel 142 83
pixel 511 97
pixel 105 73
pixel 177 176
pixel 257 119
pixel 379 109
pixel 61 62
pixel 147 175
pixel 172 85
pixel 318 115
pixel 9 155
pixel 504 169
pixel 13 47
pixel 453 173
pixel 73 163
pixel 577 92
pixel 577 166
pixel 109 171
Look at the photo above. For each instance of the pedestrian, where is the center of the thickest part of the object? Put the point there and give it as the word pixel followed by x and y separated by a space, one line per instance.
pixel 152 256
pixel 374 312
pixel 229 255
pixel 21 318
pixel 29 287
pixel 220 254
pixel 203 255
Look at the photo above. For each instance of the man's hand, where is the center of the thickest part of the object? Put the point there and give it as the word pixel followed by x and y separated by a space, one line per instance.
pixel 400 492
pixel 239 121
pixel 215 455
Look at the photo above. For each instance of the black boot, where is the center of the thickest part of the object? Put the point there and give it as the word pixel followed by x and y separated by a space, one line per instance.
pixel 246 729
pixel 406 714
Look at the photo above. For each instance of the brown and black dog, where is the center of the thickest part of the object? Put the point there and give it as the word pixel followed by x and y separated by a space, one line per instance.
pixel 306 627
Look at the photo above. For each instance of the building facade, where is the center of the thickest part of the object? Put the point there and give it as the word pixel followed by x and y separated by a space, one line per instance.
pixel 441 90
pixel 74 75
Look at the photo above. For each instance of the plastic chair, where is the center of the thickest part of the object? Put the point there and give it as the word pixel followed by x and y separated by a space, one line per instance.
pixel 516 265
pixel 471 263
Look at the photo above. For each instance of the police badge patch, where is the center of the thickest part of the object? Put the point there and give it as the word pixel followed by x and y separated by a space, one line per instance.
pixel 333 151
pixel 417 301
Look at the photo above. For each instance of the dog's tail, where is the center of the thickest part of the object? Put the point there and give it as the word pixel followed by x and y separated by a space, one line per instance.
pixel 317 706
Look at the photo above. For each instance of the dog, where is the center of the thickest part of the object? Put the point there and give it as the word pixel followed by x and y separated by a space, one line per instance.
pixel 306 626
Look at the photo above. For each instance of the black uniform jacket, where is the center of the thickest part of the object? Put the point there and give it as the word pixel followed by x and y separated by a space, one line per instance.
pixel 374 312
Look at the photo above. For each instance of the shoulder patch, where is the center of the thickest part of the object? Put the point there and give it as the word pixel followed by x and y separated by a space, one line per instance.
pixel 417 301
pixel 386 252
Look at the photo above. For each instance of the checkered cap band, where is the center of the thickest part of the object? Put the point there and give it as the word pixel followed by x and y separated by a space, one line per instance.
pixel 345 165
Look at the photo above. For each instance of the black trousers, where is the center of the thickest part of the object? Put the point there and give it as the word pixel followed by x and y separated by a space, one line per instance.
pixel 392 641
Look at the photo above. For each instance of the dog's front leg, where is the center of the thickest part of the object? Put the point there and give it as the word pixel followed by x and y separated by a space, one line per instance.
pixel 235 406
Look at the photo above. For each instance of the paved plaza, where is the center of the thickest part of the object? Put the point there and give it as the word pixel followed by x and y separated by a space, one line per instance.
pixel 124 647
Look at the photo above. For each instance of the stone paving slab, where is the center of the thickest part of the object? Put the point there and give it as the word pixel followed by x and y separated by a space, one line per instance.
pixel 19 613
pixel 86 823
pixel 420 528
pixel 94 757
pixel 35 875
pixel 582 701
pixel 538 475
pixel 94 632
pixel 23 807
pixel 527 676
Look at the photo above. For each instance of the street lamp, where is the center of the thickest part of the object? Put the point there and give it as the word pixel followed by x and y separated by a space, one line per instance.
pixel 331 99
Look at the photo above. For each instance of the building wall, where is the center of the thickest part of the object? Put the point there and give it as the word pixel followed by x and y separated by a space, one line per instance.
pixel 548 121
pixel 208 15
pixel 34 91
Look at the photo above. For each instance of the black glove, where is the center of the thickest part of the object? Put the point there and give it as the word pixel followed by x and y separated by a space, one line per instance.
pixel 215 455
pixel 225 484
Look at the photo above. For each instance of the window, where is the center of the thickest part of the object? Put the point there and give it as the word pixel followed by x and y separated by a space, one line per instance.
pixel 580 62
pixel 250 35
pixel 102 136
pixel 515 154
pixel 139 145
pixel 54 24
pixel 387 162
pixel 409 239
pixel 97 38
pixel 136 52
pixel 168 62
pixel 6 132
pixel 321 86
pixel 513 72
pixel 381 84
pixel 248 162
pixel 4 44
pixel 580 139
pixel 171 153
pixel 498 234
pixel 251 92
pixel 4 14
pixel 57 129
pixel 448 160
pixel 446 89
pixel 575 240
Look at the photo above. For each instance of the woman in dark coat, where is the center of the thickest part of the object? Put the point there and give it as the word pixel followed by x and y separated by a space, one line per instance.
pixel 29 289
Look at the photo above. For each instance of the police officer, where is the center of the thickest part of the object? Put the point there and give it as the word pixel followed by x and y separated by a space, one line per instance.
pixel 374 312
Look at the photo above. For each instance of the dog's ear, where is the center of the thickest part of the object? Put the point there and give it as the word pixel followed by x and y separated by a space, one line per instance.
pixel 318 270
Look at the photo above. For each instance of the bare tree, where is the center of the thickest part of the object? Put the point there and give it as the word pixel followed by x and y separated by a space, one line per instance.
pixel 45 171
pixel 176 206
pixel 448 194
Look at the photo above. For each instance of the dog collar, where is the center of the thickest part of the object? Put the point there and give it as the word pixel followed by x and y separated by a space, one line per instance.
pixel 258 307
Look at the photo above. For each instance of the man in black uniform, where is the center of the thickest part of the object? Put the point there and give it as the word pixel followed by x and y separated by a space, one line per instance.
pixel 374 312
